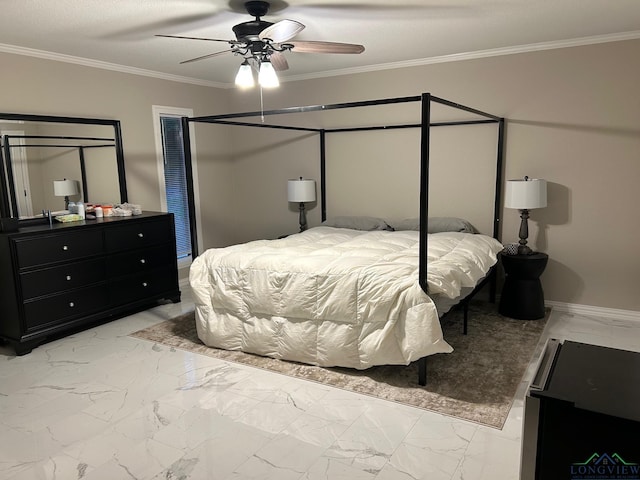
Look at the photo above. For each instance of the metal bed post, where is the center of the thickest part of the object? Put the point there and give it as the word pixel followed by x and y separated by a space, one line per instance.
pixel 11 187
pixel 122 178
pixel 492 277
pixel 425 137
pixel 425 133
pixel 498 192
pixel 497 204
pixel 83 174
pixel 323 175
pixel 188 167
pixel 4 193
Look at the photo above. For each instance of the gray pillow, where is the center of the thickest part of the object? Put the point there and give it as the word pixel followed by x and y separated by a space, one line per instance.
pixel 436 224
pixel 358 223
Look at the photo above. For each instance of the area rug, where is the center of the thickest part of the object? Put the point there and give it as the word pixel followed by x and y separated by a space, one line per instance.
pixel 477 382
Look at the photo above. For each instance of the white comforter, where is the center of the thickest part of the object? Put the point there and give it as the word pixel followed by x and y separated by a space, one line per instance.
pixel 334 297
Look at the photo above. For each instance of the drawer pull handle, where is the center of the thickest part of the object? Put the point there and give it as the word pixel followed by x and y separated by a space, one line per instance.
pixel 68 277
pixel 144 284
pixel 71 304
pixel 142 260
pixel 65 248
pixel 141 235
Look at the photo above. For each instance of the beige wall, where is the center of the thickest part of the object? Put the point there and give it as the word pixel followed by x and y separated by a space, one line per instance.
pixel 573 119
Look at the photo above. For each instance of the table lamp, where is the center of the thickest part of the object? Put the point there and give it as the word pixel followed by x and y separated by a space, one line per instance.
pixel 301 191
pixel 65 188
pixel 525 194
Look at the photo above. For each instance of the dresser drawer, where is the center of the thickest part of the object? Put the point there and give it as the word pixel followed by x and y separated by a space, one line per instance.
pixel 65 277
pixel 140 234
pixel 65 306
pixel 142 285
pixel 140 260
pixel 63 247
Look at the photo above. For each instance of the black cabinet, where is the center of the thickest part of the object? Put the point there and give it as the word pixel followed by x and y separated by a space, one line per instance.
pixel 582 415
pixel 69 276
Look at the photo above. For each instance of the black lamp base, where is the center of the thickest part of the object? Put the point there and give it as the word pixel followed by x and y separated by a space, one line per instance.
pixel 523 248
pixel 303 217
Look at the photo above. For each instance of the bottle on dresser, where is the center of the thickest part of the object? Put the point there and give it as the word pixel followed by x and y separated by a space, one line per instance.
pixel 80 207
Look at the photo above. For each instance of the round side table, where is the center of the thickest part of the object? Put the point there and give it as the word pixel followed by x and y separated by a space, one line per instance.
pixel 522 296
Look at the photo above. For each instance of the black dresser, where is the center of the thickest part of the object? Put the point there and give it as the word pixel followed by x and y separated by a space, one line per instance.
pixel 55 279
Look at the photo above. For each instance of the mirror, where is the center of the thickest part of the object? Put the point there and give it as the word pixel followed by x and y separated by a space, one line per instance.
pixel 38 150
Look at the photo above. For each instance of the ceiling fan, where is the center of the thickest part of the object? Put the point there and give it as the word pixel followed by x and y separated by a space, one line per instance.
pixel 262 44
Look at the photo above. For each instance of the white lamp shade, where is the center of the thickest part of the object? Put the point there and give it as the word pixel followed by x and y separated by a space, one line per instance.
pixel 244 78
pixel 301 190
pixel 526 194
pixel 267 77
pixel 65 188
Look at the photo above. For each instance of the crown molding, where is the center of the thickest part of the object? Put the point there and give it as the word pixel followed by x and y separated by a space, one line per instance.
pixel 87 62
pixel 456 57
pixel 534 47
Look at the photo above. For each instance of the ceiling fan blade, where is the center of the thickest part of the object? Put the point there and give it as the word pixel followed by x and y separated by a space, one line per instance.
pixel 232 42
pixel 281 31
pixel 378 6
pixel 325 47
pixel 203 57
pixel 166 20
pixel 279 61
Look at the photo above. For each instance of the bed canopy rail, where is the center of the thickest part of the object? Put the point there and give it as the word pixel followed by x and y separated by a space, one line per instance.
pixel 426 100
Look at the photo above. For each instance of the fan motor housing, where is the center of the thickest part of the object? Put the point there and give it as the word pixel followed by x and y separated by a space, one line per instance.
pixel 257 8
pixel 250 31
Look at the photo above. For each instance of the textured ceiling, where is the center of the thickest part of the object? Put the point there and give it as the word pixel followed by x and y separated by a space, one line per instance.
pixel 119 34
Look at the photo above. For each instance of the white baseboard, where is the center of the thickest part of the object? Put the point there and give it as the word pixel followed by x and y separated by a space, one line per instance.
pixel 614 313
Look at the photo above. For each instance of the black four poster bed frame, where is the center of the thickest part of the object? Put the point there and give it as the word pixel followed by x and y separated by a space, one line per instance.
pixel 426 100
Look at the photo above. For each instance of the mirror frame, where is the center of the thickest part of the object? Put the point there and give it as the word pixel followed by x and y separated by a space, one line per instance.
pixel 8 202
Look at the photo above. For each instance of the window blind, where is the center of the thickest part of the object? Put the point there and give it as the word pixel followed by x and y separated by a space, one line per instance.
pixel 176 182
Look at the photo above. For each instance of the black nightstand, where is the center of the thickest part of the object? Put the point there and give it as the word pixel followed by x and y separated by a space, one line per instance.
pixel 522 296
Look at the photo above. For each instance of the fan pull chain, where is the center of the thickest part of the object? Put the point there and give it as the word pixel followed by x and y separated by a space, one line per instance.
pixel 261 105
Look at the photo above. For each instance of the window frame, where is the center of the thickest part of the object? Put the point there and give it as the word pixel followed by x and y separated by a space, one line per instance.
pixel 165 111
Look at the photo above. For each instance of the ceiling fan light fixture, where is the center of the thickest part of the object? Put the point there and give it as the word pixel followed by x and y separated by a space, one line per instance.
pixel 262 44
pixel 267 76
pixel 244 77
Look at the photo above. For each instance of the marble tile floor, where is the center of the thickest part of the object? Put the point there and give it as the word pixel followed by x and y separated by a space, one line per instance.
pixel 102 405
